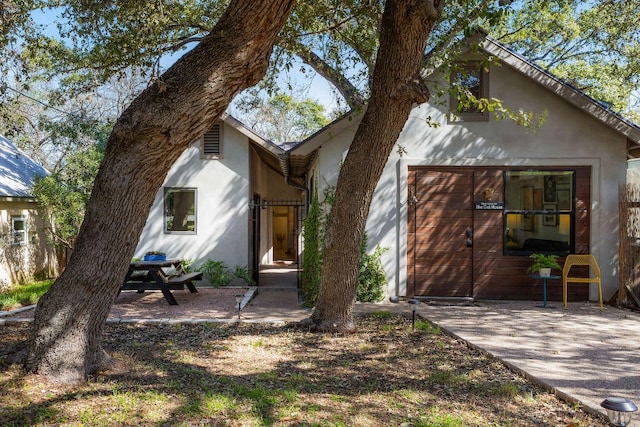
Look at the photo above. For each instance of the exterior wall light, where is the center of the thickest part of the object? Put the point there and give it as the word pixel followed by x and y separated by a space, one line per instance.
pixel 412 199
pixel 239 299
pixel 414 304
pixel 619 410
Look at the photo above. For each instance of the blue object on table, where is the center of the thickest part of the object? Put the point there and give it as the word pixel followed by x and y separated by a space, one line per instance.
pixel 155 257
pixel 544 287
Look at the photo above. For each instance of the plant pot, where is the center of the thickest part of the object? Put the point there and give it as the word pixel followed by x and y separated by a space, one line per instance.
pixel 544 272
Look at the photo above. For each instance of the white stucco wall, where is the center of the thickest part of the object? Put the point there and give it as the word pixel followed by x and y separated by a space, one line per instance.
pixel 569 137
pixel 222 205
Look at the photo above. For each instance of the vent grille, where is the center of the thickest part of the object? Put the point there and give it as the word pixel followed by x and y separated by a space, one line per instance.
pixel 212 142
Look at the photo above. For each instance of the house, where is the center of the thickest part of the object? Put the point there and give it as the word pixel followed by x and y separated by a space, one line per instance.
pixel 24 250
pixel 226 199
pixel 460 207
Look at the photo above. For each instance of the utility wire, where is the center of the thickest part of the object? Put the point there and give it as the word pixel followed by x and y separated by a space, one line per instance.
pixel 44 104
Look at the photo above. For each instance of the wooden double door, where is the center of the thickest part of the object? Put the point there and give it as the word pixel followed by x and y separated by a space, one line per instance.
pixel 443 229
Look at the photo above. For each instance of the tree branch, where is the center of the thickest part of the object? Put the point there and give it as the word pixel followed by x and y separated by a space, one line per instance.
pixel 348 91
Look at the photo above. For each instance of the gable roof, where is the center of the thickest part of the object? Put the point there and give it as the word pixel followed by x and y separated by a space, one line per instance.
pixel 562 88
pixel 260 140
pixel 17 171
pixel 269 152
pixel 302 153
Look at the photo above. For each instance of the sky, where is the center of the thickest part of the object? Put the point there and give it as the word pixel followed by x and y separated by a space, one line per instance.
pixel 316 88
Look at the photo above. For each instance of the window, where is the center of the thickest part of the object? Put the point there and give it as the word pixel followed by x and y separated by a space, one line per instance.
pixel 180 210
pixel 18 230
pixel 211 144
pixel 469 82
pixel 539 212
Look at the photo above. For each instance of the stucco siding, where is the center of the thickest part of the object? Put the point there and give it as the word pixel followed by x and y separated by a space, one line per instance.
pixel 222 205
pixel 568 137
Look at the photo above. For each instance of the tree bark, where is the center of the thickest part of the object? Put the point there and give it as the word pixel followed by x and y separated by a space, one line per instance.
pixel 147 139
pixel 396 86
pixel 349 92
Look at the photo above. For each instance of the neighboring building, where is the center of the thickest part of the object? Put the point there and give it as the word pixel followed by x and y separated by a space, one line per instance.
pixel 466 202
pixel 24 251
pixel 460 207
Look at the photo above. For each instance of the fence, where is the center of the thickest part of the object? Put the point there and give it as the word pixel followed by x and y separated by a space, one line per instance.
pixel 629 249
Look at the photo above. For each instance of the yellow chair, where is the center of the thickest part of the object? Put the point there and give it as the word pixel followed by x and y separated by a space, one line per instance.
pixel 580 260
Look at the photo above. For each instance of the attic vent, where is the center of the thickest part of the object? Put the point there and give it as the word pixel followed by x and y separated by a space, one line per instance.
pixel 212 143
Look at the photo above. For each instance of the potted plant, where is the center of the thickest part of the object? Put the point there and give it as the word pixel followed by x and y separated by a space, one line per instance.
pixel 543 264
pixel 155 256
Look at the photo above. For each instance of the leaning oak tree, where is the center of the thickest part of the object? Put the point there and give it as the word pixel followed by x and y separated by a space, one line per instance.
pixel 65 344
pixel 396 87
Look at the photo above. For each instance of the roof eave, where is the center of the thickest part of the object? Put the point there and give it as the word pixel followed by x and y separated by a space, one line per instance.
pixel 314 141
pixel 563 89
pixel 27 199
pixel 253 136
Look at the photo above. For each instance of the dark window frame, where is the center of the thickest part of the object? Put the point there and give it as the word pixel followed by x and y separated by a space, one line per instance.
pixel 557 212
pixel 168 209
pixel 483 92
pixel 23 232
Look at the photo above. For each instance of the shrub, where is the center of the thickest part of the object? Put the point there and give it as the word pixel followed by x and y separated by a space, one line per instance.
pixel 219 274
pixel 311 274
pixel 371 278
pixel 243 274
pixel 186 265
pixel 215 272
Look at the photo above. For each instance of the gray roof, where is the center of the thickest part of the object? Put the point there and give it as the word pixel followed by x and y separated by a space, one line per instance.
pixel 17 171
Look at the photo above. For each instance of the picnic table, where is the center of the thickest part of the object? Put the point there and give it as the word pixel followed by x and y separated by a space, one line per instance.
pixel 162 275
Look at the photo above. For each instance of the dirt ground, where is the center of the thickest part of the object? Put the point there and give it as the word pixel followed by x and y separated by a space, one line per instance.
pixel 247 374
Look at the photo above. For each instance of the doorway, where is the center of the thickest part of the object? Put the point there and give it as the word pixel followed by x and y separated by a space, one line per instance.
pixel 284 229
pixel 276 234
pixel 440 233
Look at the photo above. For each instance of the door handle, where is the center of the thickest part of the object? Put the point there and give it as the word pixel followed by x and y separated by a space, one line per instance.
pixel 469 233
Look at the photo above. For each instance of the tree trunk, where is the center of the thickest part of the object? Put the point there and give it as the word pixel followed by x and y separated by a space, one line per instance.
pixel 396 86
pixel 150 135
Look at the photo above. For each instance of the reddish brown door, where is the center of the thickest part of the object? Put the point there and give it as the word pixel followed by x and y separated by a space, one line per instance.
pixel 440 233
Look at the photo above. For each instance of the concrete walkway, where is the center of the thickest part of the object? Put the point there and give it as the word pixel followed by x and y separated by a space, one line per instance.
pixel 583 354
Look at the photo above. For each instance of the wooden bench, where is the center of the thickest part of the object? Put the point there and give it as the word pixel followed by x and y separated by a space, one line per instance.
pixel 185 279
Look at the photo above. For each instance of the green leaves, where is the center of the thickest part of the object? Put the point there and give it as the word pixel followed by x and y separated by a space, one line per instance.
pixel 594 46
pixel 311 274
pixel 64 194
pixel 281 117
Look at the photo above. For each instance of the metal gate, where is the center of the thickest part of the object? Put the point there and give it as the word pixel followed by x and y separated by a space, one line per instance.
pixel 256 205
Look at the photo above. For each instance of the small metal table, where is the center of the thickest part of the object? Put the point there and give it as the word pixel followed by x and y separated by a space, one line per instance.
pixel 544 288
